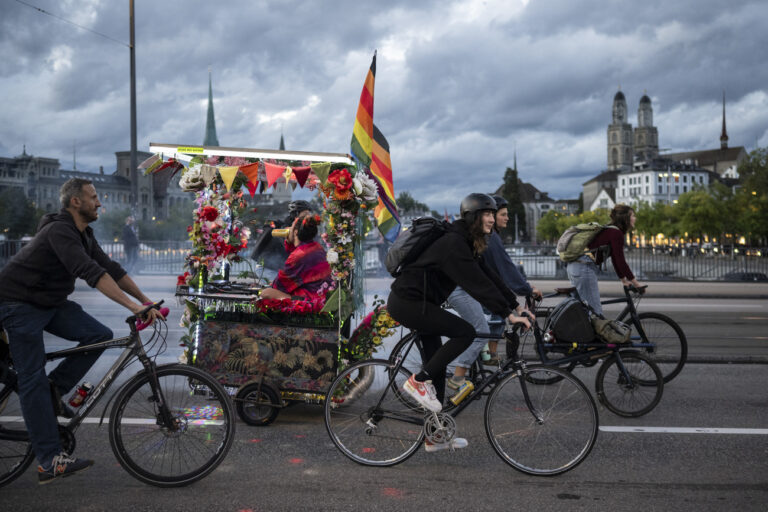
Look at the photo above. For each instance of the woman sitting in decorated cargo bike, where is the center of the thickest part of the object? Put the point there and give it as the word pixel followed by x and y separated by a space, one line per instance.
pixel 306 273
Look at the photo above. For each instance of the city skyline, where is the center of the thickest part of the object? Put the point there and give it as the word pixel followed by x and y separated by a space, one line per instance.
pixel 459 85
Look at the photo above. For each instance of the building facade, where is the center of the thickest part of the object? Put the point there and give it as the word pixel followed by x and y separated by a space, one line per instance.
pixel 635 173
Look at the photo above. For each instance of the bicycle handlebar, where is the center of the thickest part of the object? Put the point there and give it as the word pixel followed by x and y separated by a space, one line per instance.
pixel 143 324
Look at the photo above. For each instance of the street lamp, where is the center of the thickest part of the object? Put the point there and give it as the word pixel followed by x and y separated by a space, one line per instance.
pixel 134 163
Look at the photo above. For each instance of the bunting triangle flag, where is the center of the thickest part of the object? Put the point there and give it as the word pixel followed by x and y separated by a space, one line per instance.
pixel 301 173
pixel 151 164
pixel 252 172
pixel 287 174
pixel 251 187
pixel 273 173
pixel 362 132
pixel 321 170
pixel 228 175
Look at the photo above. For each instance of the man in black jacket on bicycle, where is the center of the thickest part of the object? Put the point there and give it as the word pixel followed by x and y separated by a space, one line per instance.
pixel 34 287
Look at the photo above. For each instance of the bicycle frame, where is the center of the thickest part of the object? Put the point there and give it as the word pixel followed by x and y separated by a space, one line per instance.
pixel 133 347
pixel 502 372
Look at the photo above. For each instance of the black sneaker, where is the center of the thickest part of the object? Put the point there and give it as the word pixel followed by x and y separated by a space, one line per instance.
pixel 59 407
pixel 62 465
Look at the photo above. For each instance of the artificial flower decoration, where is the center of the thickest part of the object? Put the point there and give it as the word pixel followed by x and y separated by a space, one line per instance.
pixel 369 335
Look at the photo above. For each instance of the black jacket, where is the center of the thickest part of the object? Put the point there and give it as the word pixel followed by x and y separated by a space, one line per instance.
pixel 450 262
pixel 43 272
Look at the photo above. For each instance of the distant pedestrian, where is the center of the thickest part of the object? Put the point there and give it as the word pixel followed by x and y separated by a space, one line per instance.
pixel 130 244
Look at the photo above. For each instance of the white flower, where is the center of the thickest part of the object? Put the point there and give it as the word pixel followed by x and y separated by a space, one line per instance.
pixel 192 180
pixel 370 192
pixel 357 186
pixel 345 239
pixel 332 257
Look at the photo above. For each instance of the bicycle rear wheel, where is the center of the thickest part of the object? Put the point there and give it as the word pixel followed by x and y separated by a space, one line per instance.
pixel 671 350
pixel 564 432
pixel 631 397
pixel 366 417
pixel 15 447
pixel 202 432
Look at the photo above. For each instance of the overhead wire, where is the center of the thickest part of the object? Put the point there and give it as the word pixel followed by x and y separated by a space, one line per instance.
pixel 43 11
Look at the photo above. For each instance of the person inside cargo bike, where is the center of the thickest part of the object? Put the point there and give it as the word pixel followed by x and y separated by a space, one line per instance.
pixel 306 273
pixel 419 291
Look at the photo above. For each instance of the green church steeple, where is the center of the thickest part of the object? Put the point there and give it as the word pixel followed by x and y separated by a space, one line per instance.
pixel 210 124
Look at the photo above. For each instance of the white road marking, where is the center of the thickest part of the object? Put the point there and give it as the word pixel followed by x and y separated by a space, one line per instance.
pixel 685 430
pixel 127 421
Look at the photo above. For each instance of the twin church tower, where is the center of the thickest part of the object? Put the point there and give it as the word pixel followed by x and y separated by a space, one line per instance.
pixel 624 143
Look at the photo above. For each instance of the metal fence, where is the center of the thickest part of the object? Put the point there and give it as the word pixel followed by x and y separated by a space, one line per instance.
pixel 538 262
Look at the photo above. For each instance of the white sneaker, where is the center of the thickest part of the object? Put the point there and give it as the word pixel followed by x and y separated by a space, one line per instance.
pixel 423 393
pixel 455 444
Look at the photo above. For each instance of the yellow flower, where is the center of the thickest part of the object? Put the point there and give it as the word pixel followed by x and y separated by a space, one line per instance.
pixel 376 340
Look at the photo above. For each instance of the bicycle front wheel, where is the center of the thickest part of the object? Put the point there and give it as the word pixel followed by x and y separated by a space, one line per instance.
pixel 184 450
pixel 634 392
pixel 671 346
pixel 367 418
pixel 15 447
pixel 548 434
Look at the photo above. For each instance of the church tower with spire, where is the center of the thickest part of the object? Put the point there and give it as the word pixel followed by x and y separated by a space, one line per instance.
pixel 724 134
pixel 210 124
pixel 620 150
pixel 646 135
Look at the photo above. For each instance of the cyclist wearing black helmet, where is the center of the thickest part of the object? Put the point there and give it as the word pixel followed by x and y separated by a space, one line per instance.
pixel 418 292
pixel 470 310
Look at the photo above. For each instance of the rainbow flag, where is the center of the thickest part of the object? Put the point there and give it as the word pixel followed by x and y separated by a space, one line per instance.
pixel 371 149
pixel 381 171
pixel 362 133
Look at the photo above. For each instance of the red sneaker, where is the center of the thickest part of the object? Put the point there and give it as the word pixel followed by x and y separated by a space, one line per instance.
pixel 423 393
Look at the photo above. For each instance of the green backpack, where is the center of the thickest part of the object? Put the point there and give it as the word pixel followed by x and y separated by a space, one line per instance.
pixel 574 242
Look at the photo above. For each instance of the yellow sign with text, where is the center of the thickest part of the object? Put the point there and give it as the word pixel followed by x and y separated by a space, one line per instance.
pixel 189 149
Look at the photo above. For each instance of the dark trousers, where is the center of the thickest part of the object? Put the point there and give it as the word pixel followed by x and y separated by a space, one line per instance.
pixel 432 322
pixel 24 324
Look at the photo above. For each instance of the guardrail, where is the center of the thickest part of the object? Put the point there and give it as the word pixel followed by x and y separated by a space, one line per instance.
pixel 537 262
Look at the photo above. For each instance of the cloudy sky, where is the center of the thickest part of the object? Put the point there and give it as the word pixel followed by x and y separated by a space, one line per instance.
pixel 459 85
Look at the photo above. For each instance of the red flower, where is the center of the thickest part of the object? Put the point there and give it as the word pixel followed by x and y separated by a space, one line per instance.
pixel 342 180
pixel 182 279
pixel 209 213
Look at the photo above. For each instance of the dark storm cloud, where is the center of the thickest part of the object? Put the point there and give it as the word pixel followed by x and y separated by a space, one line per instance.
pixel 460 85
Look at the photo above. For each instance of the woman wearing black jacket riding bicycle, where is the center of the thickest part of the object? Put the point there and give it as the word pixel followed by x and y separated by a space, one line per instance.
pixel 418 292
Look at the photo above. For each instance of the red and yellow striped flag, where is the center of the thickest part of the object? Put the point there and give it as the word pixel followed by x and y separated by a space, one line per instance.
pixel 362 133
pixel 381 171
pixel 371 150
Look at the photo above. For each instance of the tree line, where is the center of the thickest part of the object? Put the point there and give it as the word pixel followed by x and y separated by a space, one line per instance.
pixel 715 212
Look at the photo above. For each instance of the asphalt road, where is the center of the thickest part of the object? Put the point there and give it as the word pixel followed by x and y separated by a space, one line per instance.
pixel 705 447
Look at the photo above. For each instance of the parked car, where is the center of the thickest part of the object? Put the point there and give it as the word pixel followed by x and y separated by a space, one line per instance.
pixel 745 276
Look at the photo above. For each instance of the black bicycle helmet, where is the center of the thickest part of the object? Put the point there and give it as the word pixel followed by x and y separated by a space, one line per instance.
pixel 500 202
pixel 298 206
pixel 474 203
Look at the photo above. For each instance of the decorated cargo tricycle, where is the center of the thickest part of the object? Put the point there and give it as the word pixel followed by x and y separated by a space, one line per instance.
pixel 271 353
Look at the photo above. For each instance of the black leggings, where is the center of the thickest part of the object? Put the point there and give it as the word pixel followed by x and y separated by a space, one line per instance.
pixel 431 322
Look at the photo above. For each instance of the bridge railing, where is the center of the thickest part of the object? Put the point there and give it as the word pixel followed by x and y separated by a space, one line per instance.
pixel 537 262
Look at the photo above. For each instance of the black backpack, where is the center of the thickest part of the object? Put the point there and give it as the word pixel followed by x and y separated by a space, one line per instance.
pixel 411 242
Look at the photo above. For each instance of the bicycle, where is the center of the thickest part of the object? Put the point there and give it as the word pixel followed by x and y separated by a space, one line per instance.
pixel 170 425
pixel 655 334
pixel 537 429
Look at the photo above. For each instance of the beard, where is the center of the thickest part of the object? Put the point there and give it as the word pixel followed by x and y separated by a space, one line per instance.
pixel 89 214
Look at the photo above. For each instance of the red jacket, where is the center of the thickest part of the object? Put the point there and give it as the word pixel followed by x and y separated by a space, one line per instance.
pixel 614 240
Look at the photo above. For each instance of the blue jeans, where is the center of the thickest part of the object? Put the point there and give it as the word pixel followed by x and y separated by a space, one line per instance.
pixel 471 311
pixel 583 275
pixel 24 325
